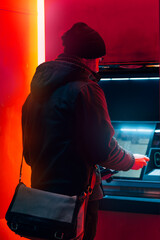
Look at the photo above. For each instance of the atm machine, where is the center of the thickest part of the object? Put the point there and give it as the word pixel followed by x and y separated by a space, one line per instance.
pixel 133 102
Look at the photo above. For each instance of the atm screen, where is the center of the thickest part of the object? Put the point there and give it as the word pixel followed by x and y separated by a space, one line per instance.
pixel 134 138
pixel 132 100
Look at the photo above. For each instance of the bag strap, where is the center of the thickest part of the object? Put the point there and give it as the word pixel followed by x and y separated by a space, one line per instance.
pixel 92 181
pixel 20 174
pixel 90 186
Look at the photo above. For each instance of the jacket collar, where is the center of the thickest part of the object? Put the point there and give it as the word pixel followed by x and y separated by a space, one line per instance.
pixel 79 64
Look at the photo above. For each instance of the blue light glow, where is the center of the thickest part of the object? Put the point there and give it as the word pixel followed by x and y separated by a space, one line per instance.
pixel 157 131
pixel 123 79
pixel 136 130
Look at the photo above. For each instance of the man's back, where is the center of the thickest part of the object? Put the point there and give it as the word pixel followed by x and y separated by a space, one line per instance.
pixel 50 133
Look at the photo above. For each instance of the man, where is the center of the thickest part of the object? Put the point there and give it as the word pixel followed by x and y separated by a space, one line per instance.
pixel 66 126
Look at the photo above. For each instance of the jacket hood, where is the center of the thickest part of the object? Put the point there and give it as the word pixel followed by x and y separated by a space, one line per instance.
pixel 51 75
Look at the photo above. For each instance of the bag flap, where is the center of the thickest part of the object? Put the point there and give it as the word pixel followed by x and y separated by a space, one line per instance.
pixel 44 204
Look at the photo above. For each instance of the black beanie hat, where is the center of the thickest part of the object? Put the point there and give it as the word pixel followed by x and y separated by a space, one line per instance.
pixel 84 42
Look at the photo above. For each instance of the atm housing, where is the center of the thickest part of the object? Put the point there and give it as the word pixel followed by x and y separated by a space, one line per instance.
pixel 133 102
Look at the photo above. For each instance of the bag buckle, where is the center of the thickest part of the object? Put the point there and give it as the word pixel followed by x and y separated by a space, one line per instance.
pixel 14 226
pixel 58 235
pixel 83 196
pixel 89 190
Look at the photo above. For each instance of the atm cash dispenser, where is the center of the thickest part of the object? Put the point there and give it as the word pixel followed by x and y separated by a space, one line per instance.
pixel 133 104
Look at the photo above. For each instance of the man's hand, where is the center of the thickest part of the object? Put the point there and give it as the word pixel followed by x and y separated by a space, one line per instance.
pixel 140 161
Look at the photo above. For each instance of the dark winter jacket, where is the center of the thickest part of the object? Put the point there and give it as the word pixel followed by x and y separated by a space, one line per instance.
pixel 66 128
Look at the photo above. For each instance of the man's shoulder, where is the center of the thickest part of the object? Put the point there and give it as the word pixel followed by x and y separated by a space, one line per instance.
pixel 90 88
pixel 82 85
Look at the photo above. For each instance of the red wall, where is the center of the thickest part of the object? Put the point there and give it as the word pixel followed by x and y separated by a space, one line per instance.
pixel 127 226
pixel 18 48
pixel 130 28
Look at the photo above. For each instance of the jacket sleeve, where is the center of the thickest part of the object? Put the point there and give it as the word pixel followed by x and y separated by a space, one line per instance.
pixel 95 133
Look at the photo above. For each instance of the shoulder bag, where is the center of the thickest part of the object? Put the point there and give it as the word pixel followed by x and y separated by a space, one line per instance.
pixel 40 214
